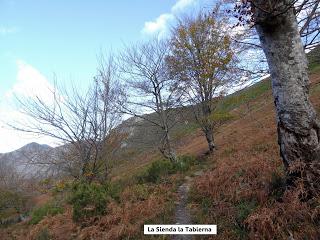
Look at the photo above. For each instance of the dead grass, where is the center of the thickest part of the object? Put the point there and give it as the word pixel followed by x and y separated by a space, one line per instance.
pixel 239 193
pixel 60 227
pixel 138 204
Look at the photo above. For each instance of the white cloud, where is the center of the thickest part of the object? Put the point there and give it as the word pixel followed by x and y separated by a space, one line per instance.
pixel 160 24
pixel 7 30
pixel 182 4
pixel 157 26
pixel 30 83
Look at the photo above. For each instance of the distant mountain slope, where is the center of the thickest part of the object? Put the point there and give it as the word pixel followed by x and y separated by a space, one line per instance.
pixel 21 157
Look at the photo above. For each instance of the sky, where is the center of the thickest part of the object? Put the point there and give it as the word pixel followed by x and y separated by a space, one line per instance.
pixel 43 39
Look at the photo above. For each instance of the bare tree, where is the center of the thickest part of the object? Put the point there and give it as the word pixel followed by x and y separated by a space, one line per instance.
pixel 243 31
pixel 203 63
pixel 308 17
pixel 150 90
pixel 84 123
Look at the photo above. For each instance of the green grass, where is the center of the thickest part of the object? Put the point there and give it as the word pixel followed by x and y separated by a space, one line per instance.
pixel 244 209
pixel 238 98
pixel 314 60
pixel 184 129
pixel 314 68
pixel 49 209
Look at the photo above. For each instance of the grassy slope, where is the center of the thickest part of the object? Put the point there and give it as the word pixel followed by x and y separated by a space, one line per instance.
pixel 243 193
pixel 239 189
pixel 241 185
pixel 246 170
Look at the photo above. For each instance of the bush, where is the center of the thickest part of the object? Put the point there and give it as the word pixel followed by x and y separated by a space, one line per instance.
pixel 164 167
pixel 244 209
pixel 10 199
pixel 90 199
pixel 154 172
pixel 49 209
pixel 43 234
pixel 277 186
pixel 184 163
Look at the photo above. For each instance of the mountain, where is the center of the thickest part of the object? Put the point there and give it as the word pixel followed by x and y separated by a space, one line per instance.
pixel 21 158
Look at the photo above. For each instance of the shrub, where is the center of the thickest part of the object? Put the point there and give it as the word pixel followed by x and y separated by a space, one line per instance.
pixel 90 199
pixel 184 163
pixel 244 209
pixel 164 167
pixel 156 170
pixel 277 186
pixel 49 209
pixel 43 235
pixel 10 199
pixel 137 193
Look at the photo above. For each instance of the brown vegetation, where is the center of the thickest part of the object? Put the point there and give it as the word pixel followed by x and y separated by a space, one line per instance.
pixel 244 193
pixel 138 204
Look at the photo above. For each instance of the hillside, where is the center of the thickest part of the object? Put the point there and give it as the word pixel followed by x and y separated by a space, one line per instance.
pixel 239 188
pixel 244 190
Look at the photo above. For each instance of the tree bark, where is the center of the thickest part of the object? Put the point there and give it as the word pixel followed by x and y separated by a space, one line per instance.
pixel 298 125
pixel 210 139
pixel 166 148
pixel 206 123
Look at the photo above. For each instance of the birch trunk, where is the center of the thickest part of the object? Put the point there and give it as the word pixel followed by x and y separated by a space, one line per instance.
pixel 210 139
pixel 298 125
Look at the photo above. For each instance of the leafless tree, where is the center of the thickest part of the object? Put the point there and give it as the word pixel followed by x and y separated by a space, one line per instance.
pixel 243 31
pixel 150 90
pixel 84 123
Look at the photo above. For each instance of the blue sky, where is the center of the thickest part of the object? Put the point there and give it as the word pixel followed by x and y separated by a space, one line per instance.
pixel 40 38
pixel 65 37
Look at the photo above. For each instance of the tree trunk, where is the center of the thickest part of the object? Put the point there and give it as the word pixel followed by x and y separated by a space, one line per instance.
pixel 298 125
pixel 167 150
pixel 210 139
pixel 171 154
pixel 207 125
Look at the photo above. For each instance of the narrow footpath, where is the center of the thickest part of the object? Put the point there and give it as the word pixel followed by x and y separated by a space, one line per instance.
pixel 182 214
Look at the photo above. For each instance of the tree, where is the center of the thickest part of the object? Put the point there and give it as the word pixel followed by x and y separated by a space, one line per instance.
pixel 203 63
pixel 84 123
pixel 150 90
pixel 298 125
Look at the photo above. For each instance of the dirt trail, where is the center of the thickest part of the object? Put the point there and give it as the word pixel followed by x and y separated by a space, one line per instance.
pixel 182 214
